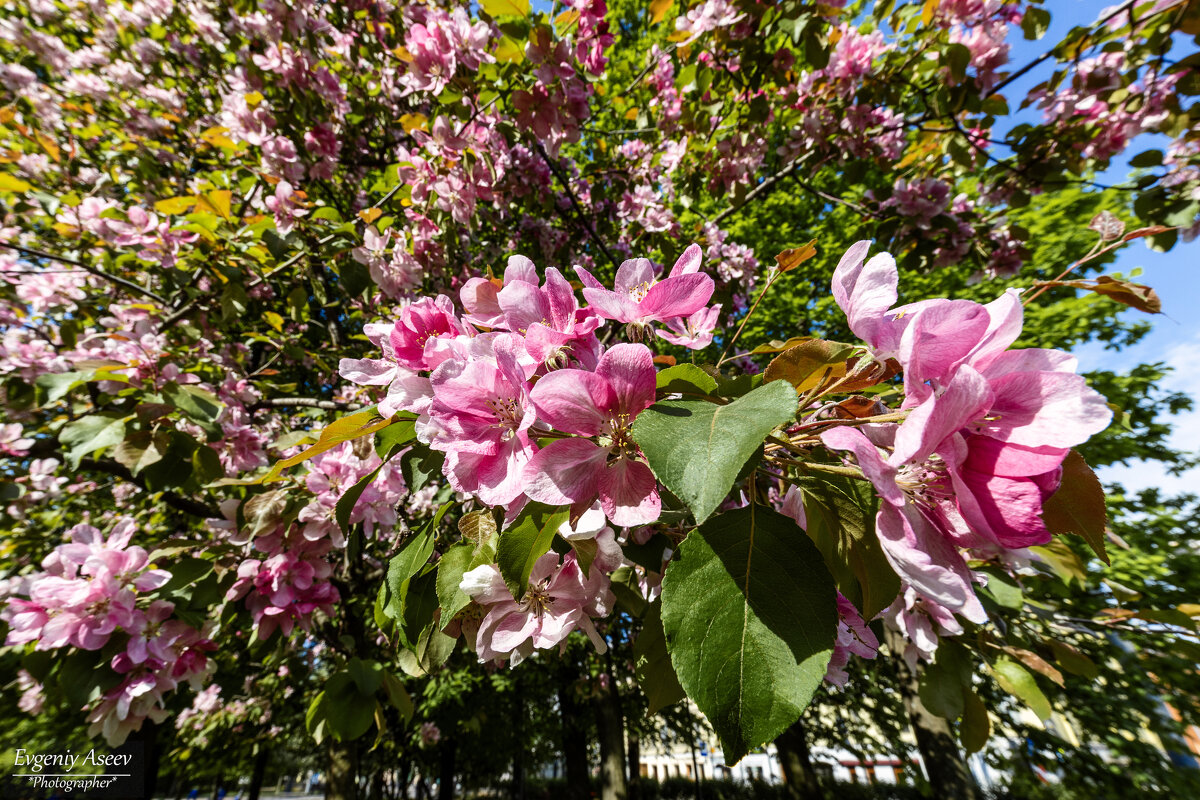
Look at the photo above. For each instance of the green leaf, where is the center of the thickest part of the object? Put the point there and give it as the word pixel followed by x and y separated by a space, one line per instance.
pixel 430 650
pixel 346 503
pixel 686 379
pixel 1018 681
pixel 626 589
pixel 1078 505
pixel 367 675
pixel 941 692
pixel 525 541
pixel 652 664
pixel 697 448
pixel 1073 661
pixel 975 727
pixel 419 466
pixel 957 57
pixel 420 606
pixel 841 523
pixel 91 433
pixel 200 405
pixel 397 695
pixel 348 712
pixel 1035 22
pixel 394 436
pixel 1003 590
pixel 750 616
pixel 1147 158
pixel 451 567
pixel 408 562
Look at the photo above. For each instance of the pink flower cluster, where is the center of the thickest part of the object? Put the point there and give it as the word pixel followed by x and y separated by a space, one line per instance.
pixel 561 597
pixel 524 362
pixel 853 638
pixel 1087 111
pixel 331 474
pixel 986 432
pixel 285 588
pixel 92 589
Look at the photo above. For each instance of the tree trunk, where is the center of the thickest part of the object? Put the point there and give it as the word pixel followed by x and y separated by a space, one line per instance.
pixel 261 757
pixel 635 762
pixel 148 736
pixel 341 783
pixel 611 732
pixel 798 774
pixel 446 755
pixel 518 765
pixel 944 764
pixel 574 740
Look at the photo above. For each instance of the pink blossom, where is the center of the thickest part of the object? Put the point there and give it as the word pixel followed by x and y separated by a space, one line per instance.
pixel 853 638
pixel 697 332
pixel 480 417
pixel 639 298
pixel 602 404
pixel 552 607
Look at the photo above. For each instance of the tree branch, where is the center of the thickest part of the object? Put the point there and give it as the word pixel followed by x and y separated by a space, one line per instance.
pixel 587 226
pixel 130 285
pixel 175 501
pixel 306 402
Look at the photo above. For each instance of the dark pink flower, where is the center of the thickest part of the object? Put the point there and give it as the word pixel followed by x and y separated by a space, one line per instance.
pixel 600 404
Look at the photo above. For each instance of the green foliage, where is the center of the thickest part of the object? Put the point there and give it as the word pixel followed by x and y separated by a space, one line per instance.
pixel 749 613
pixel 697 448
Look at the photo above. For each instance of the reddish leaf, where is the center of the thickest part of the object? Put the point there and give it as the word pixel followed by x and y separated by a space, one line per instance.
pixel 1035 663
pixel 806 364
pixel 789 259
pixel 1078 505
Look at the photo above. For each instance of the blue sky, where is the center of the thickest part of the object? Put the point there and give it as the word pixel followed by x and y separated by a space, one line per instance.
pixel 1175 338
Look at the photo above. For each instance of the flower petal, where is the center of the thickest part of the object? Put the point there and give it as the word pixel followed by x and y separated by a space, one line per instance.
pixel 575 401
pixel 628 369
pixel 565 472
pixel 629 494
pixel 679 296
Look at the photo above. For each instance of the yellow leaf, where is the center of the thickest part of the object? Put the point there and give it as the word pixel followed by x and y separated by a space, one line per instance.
pixel 49 145
pixel 509 51
pixel 679 36
pixel 369 215
pixel 217 138
pixel 361 423
pixel 218 202
pixel 788 260
pixel 565 21
pixel 505 8
pixel 412 122
pixel 11 183
pixel 403 55
pixel 253 99
pixel 172 118
pixel 274 320
pixel 7 114
pixel 931 7
pixel 631 113
pixel 62 229
pixel 174 205
pixel 659 9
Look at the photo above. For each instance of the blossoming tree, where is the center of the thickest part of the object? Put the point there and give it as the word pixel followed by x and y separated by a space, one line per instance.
pixel 344 335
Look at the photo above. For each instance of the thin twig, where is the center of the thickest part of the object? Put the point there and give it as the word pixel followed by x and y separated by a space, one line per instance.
pixel 583 219
pixel 306 402
pixel 770 282
pixel 130 285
